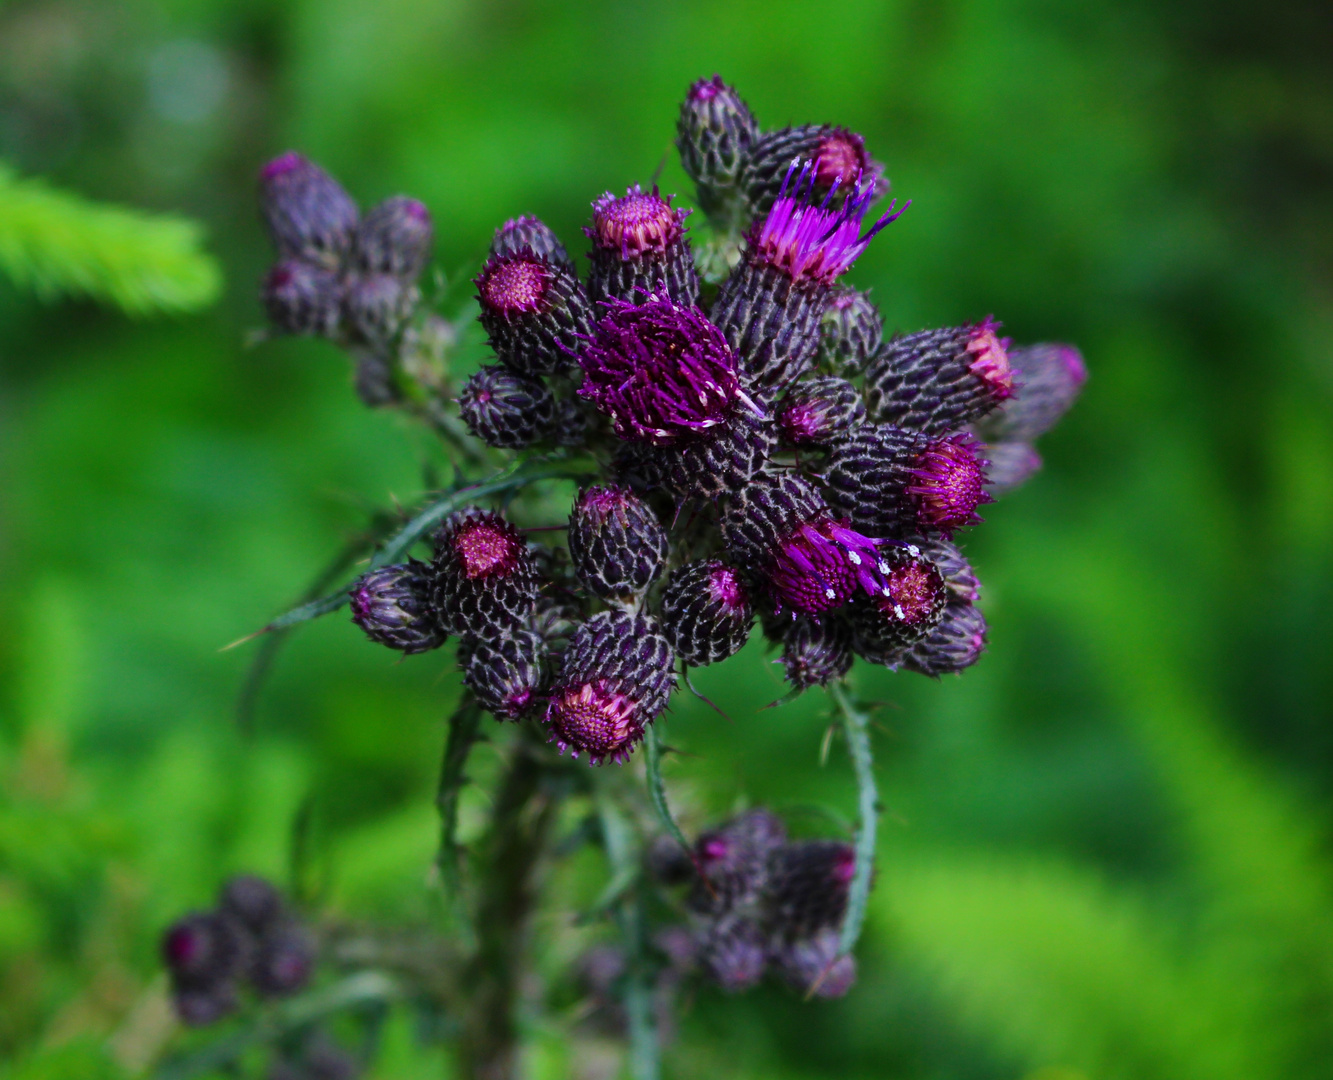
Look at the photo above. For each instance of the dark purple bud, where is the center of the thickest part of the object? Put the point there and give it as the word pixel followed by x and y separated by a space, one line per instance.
pixel 639 249
pixel 816 411
pixel 663 373
pixel 851 332
pixel 910 605
pixel 815 652
pixel 395 238
pixel 886 479
pixel 535 311
pixel 960 580
pixel 302 298
pixel 617 544
pixel 722 462
pixel 484 578
pixel 955 644
pixel 505 409
pixel 707 612
pixel 202 949
pixel 283 961
pixel 808 886
pixel 615 678
pixel 376 306
pixel 201 1006
pixel 734 954
pixel 308 213
pixel 940 380
pixel 393 606
pixel 714 134
pixel 733 860
pixel 254 901
pixel 506 672
pixel 839 157
pixel 1009 465
pixel 1049 380
pixel 814 967
pixel 530 234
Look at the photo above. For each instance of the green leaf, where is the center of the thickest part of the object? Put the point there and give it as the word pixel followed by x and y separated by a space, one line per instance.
pixel 656 788
pixel 855 725
pixel 58 244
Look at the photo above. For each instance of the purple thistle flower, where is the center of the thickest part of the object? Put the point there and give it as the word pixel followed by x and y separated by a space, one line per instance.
pixel 820 566
pixel 663 373
pixel 637 223
pixel 818 243
pixel 950 483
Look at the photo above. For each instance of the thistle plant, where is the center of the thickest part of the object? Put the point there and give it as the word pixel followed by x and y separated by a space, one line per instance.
pixel 724 437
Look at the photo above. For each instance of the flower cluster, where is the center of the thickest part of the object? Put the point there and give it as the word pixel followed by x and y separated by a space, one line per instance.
pixel 764 451
pixel 760 903
pixel 248 938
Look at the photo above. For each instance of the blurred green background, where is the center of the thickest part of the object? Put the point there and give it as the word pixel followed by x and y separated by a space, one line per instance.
pixel 1105 852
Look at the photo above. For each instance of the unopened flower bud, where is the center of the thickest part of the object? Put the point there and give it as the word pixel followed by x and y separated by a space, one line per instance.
pixel 851 332
pixel 813 966
pixel 283 961
pixel 734 954
pixel 1049 379
pixel 733 860
pixel 308 213
pixel 252 900
pixel 639 249
pixel 376 306
pixel 505 409
pixel 816 652
pixel 617 544
pixel 615 678
pixel 483 574
pixel 394 238
pixel 1009 465
pixel 302 297
pixel 714 134
pixel 535 311
pixel 393 606
pixel 910 605
pixel 808 886
pixel 814 412
pixel 506 672
pixel 940 380
pixel 902 482
pixel 532 235
pixel 838 158
pixel 707 612
pixel 202 950
pixel 955 644
pixel 201 1006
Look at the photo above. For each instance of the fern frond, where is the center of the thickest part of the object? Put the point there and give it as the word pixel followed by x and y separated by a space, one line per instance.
pixel 58 244
pixel 1056 968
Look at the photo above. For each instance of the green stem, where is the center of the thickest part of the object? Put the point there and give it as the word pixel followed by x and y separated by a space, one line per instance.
pixel 856 726
pixel 656 787
pixel 462 734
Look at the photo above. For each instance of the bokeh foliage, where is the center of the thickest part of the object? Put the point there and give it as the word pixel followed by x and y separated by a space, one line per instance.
pixel 1105 851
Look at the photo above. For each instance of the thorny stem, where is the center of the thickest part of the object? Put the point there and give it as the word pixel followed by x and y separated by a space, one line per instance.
pixel 525 809
pixel 856 726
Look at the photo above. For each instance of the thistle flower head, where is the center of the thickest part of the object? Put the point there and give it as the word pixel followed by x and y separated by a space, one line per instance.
pixel 513 283
pixel 842 159
pixel 812 242
pixel 914 589
pixel 527 233
pixel 950 479
pixel 485 545
pixel 593 718
pixel 822 564
pixel 990 359
pixel 636 223
pixel 662 372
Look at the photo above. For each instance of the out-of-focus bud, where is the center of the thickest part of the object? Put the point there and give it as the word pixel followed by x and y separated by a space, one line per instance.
pixel 955 644
pixel 301 297
pixel 1049 380
pixel 308 213
pixel 1009 465
pixel 394 238
pixel 813 966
